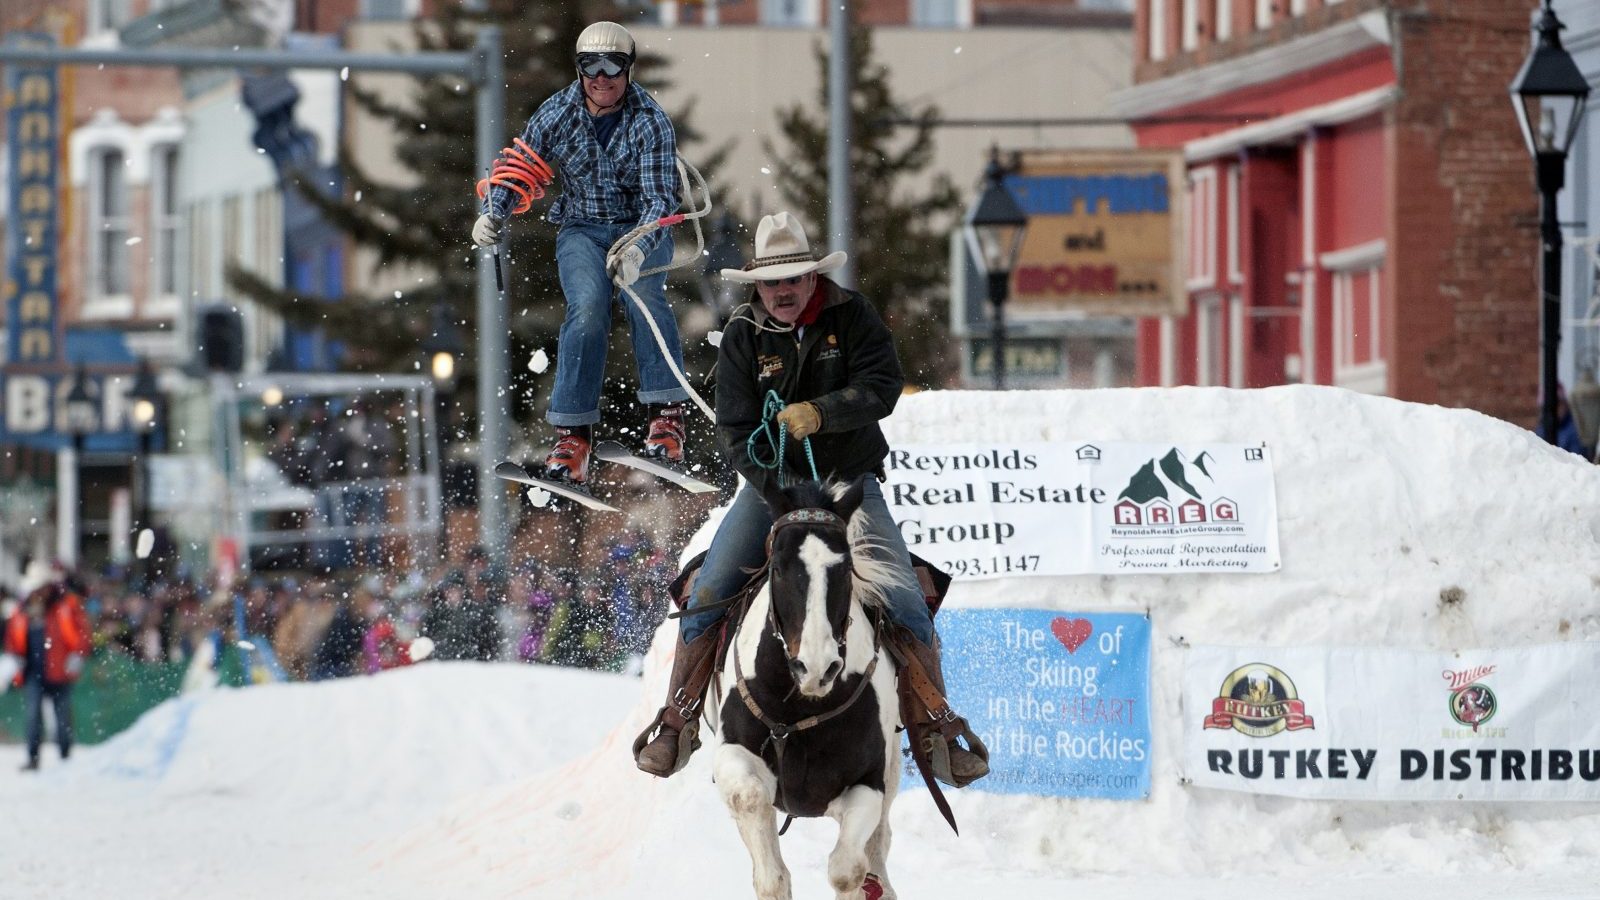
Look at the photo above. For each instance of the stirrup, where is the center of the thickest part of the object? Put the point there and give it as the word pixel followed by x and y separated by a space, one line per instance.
pixel 937 744
pixel 688 741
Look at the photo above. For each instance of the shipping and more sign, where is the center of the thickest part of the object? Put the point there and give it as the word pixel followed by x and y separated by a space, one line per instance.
pixel 1072 508
pixel 1060 699
pixel 1383 724
pixel 1104 234
pixel 29 287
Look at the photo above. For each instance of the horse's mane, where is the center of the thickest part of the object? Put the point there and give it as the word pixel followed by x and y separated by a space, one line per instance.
pixel 872 575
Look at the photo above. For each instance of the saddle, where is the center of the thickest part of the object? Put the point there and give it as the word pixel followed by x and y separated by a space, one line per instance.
pixel 918 694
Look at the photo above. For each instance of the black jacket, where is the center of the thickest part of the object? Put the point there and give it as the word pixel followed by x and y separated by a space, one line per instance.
pixel 845 364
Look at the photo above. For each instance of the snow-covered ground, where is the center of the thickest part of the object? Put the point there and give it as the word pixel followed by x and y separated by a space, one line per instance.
pixel 466 780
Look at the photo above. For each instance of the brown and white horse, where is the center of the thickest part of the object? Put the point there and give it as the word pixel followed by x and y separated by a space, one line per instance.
pixel 810 709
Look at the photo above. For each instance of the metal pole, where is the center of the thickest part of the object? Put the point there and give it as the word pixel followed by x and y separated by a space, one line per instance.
pixel 429 63
pixel 997 334
pixel 494 394
pixel 1552 174
pixel 841 202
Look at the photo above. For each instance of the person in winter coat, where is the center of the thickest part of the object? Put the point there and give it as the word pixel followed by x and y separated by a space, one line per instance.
pixel 825 352
pixel 50 634
pixel 616 153
pixel 460 627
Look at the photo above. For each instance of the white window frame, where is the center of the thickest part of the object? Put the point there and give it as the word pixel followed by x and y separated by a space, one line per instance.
pixel 1371 377
pixel 1222 25
pixel 1158 30
pixel 105 232
pixel 959 13
pixel 166 231
pixel 1297 7
pixel 1236 326
pixel 1235 230
pixel 1210 341
pixel 1263 14
pixel 1202 246
pixel 807 13
pixel 408 10
pixel 105 16
pixel 1169 351
pixel 1190 39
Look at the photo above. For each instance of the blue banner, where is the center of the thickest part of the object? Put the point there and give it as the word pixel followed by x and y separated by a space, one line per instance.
pixel 33 315
pixel 1061 699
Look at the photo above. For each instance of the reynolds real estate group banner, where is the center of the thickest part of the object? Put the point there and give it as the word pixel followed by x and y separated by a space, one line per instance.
pixel 1071 508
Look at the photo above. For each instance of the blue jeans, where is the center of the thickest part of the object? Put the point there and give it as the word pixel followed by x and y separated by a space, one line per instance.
pixel 741 543
pixel 581 353
pixel 60 696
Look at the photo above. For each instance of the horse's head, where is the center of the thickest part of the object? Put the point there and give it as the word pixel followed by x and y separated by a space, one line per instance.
pixel 810 579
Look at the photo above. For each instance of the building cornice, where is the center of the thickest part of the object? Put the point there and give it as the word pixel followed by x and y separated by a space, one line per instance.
pixel 1347 109
pixel 1264 66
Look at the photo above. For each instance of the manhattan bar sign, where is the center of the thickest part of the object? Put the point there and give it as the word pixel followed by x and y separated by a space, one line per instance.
pixel 29 288
pixel 1104 234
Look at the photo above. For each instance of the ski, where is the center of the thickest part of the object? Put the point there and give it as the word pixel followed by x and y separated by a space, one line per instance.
pixel 513 472
pixel 611 451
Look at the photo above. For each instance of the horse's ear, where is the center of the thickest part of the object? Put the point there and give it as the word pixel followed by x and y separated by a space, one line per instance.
pixel 850 500
pixel 778 501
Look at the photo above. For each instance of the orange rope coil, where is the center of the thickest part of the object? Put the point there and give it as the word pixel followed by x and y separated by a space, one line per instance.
pixel 521 171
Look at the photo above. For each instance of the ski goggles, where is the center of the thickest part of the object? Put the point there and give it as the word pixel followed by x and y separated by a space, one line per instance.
pixel 611 65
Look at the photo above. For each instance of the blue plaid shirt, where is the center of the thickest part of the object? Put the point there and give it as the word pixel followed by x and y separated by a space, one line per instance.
pixel 631 181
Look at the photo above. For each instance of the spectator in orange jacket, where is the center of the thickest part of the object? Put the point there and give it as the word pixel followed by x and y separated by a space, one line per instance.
pixel 50 634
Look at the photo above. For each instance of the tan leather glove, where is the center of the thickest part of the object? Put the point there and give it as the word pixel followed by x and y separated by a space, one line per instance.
pixel 802 419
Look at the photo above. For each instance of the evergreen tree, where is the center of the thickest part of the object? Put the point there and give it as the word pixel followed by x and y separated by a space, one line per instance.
pixel 901 248
pixel 423 227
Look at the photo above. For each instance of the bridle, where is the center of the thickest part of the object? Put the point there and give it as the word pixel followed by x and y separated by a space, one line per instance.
pixel 778 733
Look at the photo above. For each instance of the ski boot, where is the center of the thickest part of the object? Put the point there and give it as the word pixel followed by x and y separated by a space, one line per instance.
pixel 665 436
pixel 569 458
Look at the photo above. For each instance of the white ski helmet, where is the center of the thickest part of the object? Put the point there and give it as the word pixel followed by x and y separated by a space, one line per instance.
pixel 606 37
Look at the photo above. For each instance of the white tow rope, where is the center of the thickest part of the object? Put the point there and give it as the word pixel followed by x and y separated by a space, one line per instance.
pixel 614 255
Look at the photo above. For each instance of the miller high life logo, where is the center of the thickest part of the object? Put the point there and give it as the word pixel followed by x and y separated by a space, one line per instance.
pixel 1472 703
pixel 1260 701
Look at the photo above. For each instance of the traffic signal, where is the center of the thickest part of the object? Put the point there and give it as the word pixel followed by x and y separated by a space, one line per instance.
pixel 220 339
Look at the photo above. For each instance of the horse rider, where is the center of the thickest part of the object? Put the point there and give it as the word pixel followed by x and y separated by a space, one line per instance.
pixel 828 355
pixel 617 153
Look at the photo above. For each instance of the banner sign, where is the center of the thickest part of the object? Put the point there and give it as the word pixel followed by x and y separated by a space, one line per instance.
pixel 1386 724
pixel 1104 234
pixel 1060 699
pixel 33 410
pixel 1071 508
pixel 29 289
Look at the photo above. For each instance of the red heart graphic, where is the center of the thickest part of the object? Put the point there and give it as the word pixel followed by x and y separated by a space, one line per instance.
pixel 1071 632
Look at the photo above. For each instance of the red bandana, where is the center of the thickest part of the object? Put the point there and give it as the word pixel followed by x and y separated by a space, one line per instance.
pixel 813 306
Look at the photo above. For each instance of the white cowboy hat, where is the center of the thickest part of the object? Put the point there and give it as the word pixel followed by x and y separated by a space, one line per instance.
pixel 782 251
pixel 38 574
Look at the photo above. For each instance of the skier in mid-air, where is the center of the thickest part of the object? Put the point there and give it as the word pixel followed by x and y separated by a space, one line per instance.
pixel 616 153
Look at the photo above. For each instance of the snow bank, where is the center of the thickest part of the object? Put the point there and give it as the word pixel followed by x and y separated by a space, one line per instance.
pixel 1400 525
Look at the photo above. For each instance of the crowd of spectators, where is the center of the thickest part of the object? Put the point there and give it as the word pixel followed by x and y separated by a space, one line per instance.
pixel 365 621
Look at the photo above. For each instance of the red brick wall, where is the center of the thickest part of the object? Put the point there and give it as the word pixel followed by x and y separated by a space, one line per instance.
pixel 1464 243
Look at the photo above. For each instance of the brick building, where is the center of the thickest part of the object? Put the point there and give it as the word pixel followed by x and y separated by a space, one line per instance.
pixel 1361 205
pixel 914 13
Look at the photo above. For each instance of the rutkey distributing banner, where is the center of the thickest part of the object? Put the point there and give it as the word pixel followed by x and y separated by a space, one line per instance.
pixel 993 510
pixel 1369 723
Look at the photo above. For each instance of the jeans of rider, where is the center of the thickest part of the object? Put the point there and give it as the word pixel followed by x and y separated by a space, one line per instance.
pixel 741 543
pixel 581 354
pixel 60 697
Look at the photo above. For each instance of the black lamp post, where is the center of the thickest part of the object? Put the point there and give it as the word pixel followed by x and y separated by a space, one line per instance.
pixel 1549 93
pixel 443 348
pixel 146 412
pixel 994 229
pixel 81 418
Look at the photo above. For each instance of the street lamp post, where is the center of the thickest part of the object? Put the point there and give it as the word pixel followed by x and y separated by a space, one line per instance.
pixel 146 409
pixel 1549 94
pixel 443 348
pixel 81 418
pixel 994 228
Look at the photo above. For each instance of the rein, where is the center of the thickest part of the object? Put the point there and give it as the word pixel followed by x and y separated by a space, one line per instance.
pixel 771 457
